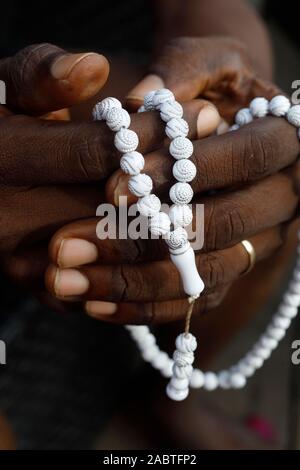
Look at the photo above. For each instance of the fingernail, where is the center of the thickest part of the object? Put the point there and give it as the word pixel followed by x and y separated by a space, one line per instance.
pixel 207 121
pixel 96 308
pixel 222 127
pixel 64 64
pixel 149 83
pixel 75 252
pixel 70 282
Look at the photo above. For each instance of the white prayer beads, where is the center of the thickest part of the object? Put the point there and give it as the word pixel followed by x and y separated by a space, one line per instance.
pixel 132 163
pixel 140 185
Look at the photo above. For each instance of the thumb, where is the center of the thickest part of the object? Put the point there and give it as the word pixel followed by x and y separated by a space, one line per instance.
pixel 43 78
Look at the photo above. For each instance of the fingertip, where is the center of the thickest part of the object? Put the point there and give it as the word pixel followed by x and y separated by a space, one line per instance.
pixel 135 97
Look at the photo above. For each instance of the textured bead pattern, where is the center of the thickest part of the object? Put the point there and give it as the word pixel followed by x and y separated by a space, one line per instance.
pixel 132 163
pixel 259 107
pixel 177 127
pixel 279 105
pixel 159 224
pixel 181 147
pixel 293 115
pixel 184 170
pixel 177 238
pixel 126 140
pixel 181 193
pixel 117 118
pixel 140 185
pixel 170 110
pixel 149 205
pixel 148 101
pixel 180 216
pixel 101 109
pixel 162 96
pixel 243 116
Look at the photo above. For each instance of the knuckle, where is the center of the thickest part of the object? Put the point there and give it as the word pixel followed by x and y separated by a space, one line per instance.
pixel 212 267
pixel 257 153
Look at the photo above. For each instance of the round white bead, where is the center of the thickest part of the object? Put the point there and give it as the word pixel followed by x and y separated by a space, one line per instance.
pixel 149 205
pixel 159 224
pixel 176 395
pixel 181 147
pixel 101 109
pixel 259 107
pixel 293 115
pixel 117 118
pixel 177 238
pixel 184 170
pixel 224 379
pixel 146 342
pixel 161 96
pixel 245 368
pixel 182 372
pixel 269 343
pixel 294 287
pixel 180 216
pixel 197 379
pixel 262 352
pixel 183 359
pixel 141 109
pixel 177 127
pixel 210 381
pixel 132 163
pixel 170 109
pixel 254 360
pixel 150 353
pixel 276 333
pixel 126 140
pixel 181 193
pixel 288 311
pixel 291 299
pixel 280 321
pixel 140 185
pixel 148 101
pixel 237 380
pixel 279 105
pixel 160 360
pixel 243 117
pixel 167 370
pixel 179 384
pixel 186 343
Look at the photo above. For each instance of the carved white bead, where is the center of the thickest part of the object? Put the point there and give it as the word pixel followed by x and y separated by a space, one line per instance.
pixel 279 321
pixel 162 96
pixel 181 193
pixel 126 140
pixel 176 395
pixel 186 343
pixel 160 360
pixel 197 379
pixel 184 170
pixel 182 372
pixel 177 238
pixel 181 147
pixel 243 116
pixel 275 332
pixel 159 224
pixel 237 380
pixel 171 109
pixel 132 163
pixel 180 216
pixel 262 352
pixel 167 370
pixel 267 342
pixel 259 107
pixel 140 185
pixel 291 299
pixel 141 109
pixel 245 368
pixel 254 360
pixel 117 118
pixel 149 205
pixel 293 115
pixel 210 381
pixel 148 101
pixel 101 109
pixel 288 311
pixel 150 353
pixel 279 105
pixel 177 127
pixel 183 359
pixel 179 384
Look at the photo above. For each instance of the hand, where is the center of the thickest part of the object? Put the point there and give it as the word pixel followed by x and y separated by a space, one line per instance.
pixel 258 198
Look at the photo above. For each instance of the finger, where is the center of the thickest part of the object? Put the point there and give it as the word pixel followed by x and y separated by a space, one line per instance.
pixel 248 154
pixel 158 280
pixel 43 78
pixel 44 152
pixel 152 312
pixel 228 219
pixel 193 66
pixel 59 115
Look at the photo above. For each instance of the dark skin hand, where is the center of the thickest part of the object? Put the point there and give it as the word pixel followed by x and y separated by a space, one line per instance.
pixel 255 169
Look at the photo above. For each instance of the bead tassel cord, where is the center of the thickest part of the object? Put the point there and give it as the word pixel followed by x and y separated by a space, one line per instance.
pixel 180 369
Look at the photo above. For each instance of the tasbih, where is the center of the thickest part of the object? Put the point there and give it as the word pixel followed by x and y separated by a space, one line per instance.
pixel 171 227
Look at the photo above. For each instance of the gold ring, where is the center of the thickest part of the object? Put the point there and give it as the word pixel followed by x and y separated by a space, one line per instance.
pixel 251 255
